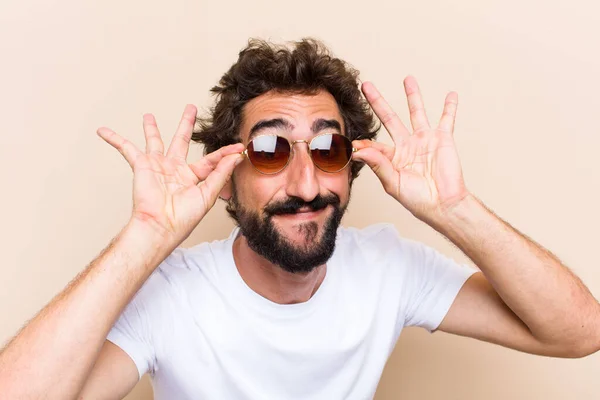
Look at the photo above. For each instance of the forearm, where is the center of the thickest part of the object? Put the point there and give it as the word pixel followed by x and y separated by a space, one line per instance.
pixel 553 303
pixel 52 356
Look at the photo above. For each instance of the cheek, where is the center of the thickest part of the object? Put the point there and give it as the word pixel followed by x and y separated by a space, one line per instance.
pixel 338 183
pixel 255 190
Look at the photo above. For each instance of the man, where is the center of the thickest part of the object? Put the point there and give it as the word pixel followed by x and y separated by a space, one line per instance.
pixel 291 306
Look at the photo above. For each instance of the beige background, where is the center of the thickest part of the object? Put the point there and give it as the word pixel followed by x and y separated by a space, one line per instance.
pixel 527 133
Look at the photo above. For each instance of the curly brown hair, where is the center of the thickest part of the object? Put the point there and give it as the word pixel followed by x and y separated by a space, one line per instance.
pixel 305 68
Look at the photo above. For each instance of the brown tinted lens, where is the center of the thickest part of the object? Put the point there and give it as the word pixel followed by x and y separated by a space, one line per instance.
pixel 269 154
pixel 331 152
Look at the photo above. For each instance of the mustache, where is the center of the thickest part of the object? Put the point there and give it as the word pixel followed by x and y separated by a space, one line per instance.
pixel 293 204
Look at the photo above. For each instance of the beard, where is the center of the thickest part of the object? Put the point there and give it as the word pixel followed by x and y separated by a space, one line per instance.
pixel 264 238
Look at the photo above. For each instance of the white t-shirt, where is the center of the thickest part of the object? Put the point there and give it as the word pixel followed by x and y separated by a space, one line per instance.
pixel 202 333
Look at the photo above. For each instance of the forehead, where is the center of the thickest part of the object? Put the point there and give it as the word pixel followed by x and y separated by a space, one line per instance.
pixel 298 109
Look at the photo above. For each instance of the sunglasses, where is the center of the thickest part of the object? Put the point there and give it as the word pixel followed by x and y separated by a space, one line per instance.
pixel 270 154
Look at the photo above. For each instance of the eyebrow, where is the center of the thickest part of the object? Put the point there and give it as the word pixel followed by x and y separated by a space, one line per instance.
pixel 268 124
pixel 321 124
pixel 280 123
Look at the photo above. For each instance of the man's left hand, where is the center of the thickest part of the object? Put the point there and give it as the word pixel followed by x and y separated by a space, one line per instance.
pixel 422 170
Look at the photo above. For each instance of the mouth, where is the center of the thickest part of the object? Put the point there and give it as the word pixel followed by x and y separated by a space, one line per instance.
pixel 303 214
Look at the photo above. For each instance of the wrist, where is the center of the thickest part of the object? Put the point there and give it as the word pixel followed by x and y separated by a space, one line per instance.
pixel 465 212
pixel 147 238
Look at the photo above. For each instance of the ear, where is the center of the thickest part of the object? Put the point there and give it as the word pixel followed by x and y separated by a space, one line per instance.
pixel 225 193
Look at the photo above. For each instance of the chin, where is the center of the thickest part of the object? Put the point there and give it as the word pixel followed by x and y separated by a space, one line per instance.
pixel 303 233
pixel 296 242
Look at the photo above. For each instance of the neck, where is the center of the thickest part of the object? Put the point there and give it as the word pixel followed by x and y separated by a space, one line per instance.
pixel 270 280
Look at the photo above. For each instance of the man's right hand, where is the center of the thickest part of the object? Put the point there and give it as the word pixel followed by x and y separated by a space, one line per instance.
pixel 170 198
pixel 170 195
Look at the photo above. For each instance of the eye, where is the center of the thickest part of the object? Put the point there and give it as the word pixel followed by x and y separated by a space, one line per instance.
pixel 322 142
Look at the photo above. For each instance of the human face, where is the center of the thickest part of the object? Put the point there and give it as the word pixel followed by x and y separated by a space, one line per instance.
pixel 300 181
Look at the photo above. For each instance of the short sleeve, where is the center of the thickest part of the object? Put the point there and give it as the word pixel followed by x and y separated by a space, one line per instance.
pixel 134 330
pixel 129 333
pixel 431 282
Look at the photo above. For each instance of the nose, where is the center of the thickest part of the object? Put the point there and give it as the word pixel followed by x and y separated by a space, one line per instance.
pixel 301 173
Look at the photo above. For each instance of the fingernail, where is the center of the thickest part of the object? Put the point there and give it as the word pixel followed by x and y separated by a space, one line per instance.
pixel 190 109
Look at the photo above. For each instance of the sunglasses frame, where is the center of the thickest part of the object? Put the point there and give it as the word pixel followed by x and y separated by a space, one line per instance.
pixel 291 144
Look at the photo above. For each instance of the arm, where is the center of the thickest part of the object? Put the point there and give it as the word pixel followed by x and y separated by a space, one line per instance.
pixel 525 298
pixel 113 376
pixel 55 353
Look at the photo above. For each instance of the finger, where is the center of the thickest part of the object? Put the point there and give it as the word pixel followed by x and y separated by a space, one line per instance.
pixel 384 112
pixel 154 143
pixel 125 147
pixel 181 141
pixel 215 181
pixel 381 165
pixel 449 114
pixel 418 117
pixel 387 150
pixel 202 168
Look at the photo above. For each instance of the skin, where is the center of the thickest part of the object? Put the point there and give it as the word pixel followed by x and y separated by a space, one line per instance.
pixel 300 179
pixel 524 298
pixel 170 197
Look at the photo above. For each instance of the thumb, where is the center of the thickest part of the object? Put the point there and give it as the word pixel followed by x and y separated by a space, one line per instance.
pixel 380 164
pixel 215 181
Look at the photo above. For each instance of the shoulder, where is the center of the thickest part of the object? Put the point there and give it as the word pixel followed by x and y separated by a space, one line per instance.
pixel 373 246
pixel 371 233
pixel 381 242
pixel 376 237
pixel 203 258
pixel 183 268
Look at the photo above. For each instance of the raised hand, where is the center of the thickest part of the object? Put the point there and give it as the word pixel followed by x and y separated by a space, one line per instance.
pixel 169 194
pixel 422 170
